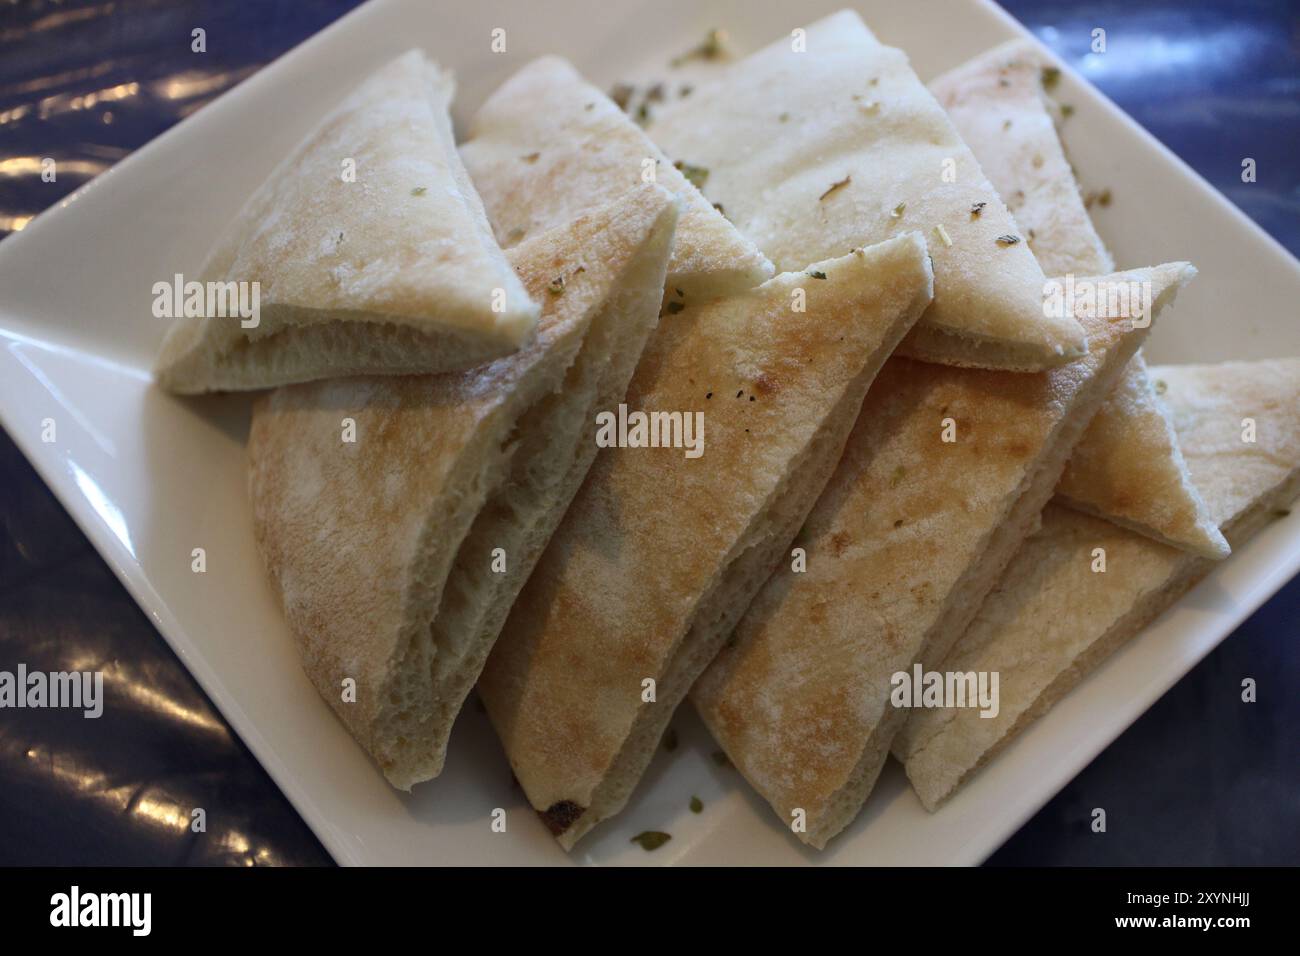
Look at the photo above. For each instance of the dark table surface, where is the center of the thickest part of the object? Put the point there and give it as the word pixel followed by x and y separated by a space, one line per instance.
pixel 1200 779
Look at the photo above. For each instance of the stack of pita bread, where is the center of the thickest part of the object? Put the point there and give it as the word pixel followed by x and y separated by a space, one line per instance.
pixel 839 279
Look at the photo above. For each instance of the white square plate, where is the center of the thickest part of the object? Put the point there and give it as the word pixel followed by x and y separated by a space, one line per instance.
pixel 149 477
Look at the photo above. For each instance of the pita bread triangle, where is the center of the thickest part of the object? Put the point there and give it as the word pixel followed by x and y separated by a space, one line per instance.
pixel 1127 468
pixel 999 107
pixel 909 536
pixel 548 145
pixel 390 270
pixel 1053 620
pixel 839 145
pixel 660 552
pixel 385 550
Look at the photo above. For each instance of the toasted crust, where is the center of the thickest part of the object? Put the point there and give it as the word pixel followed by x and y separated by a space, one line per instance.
pixel 381 548
pixel 1053 619
pixel 908 537
pixel 815 153
pixel 659 553
pixel 547 146
pixel 997 103
pixel 392 273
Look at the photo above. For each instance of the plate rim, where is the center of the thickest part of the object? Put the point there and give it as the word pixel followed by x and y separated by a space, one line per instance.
pixel 128 570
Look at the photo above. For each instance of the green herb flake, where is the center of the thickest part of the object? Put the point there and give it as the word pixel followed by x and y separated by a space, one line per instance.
pixel 817 275
pixel 651 840
pixel 556 285
pixel 697 805
pixel 783 118
pixel 897 477
pixel 714 47
pixel 898 211
pixel 1097 198
pixel 1161 386
pixel 1050 76
pixel 1066 110
pixel 1007 240
pixel 621 94
pixel 530 158
pixel 1282 513
pixel 977 208
pixel 697 176
pixel 834 186
pixel 419 190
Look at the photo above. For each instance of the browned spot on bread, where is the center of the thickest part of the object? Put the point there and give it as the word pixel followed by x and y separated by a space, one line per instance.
pixel 839 541
pixel 559 816
pixel 817 613
pixel 766 384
